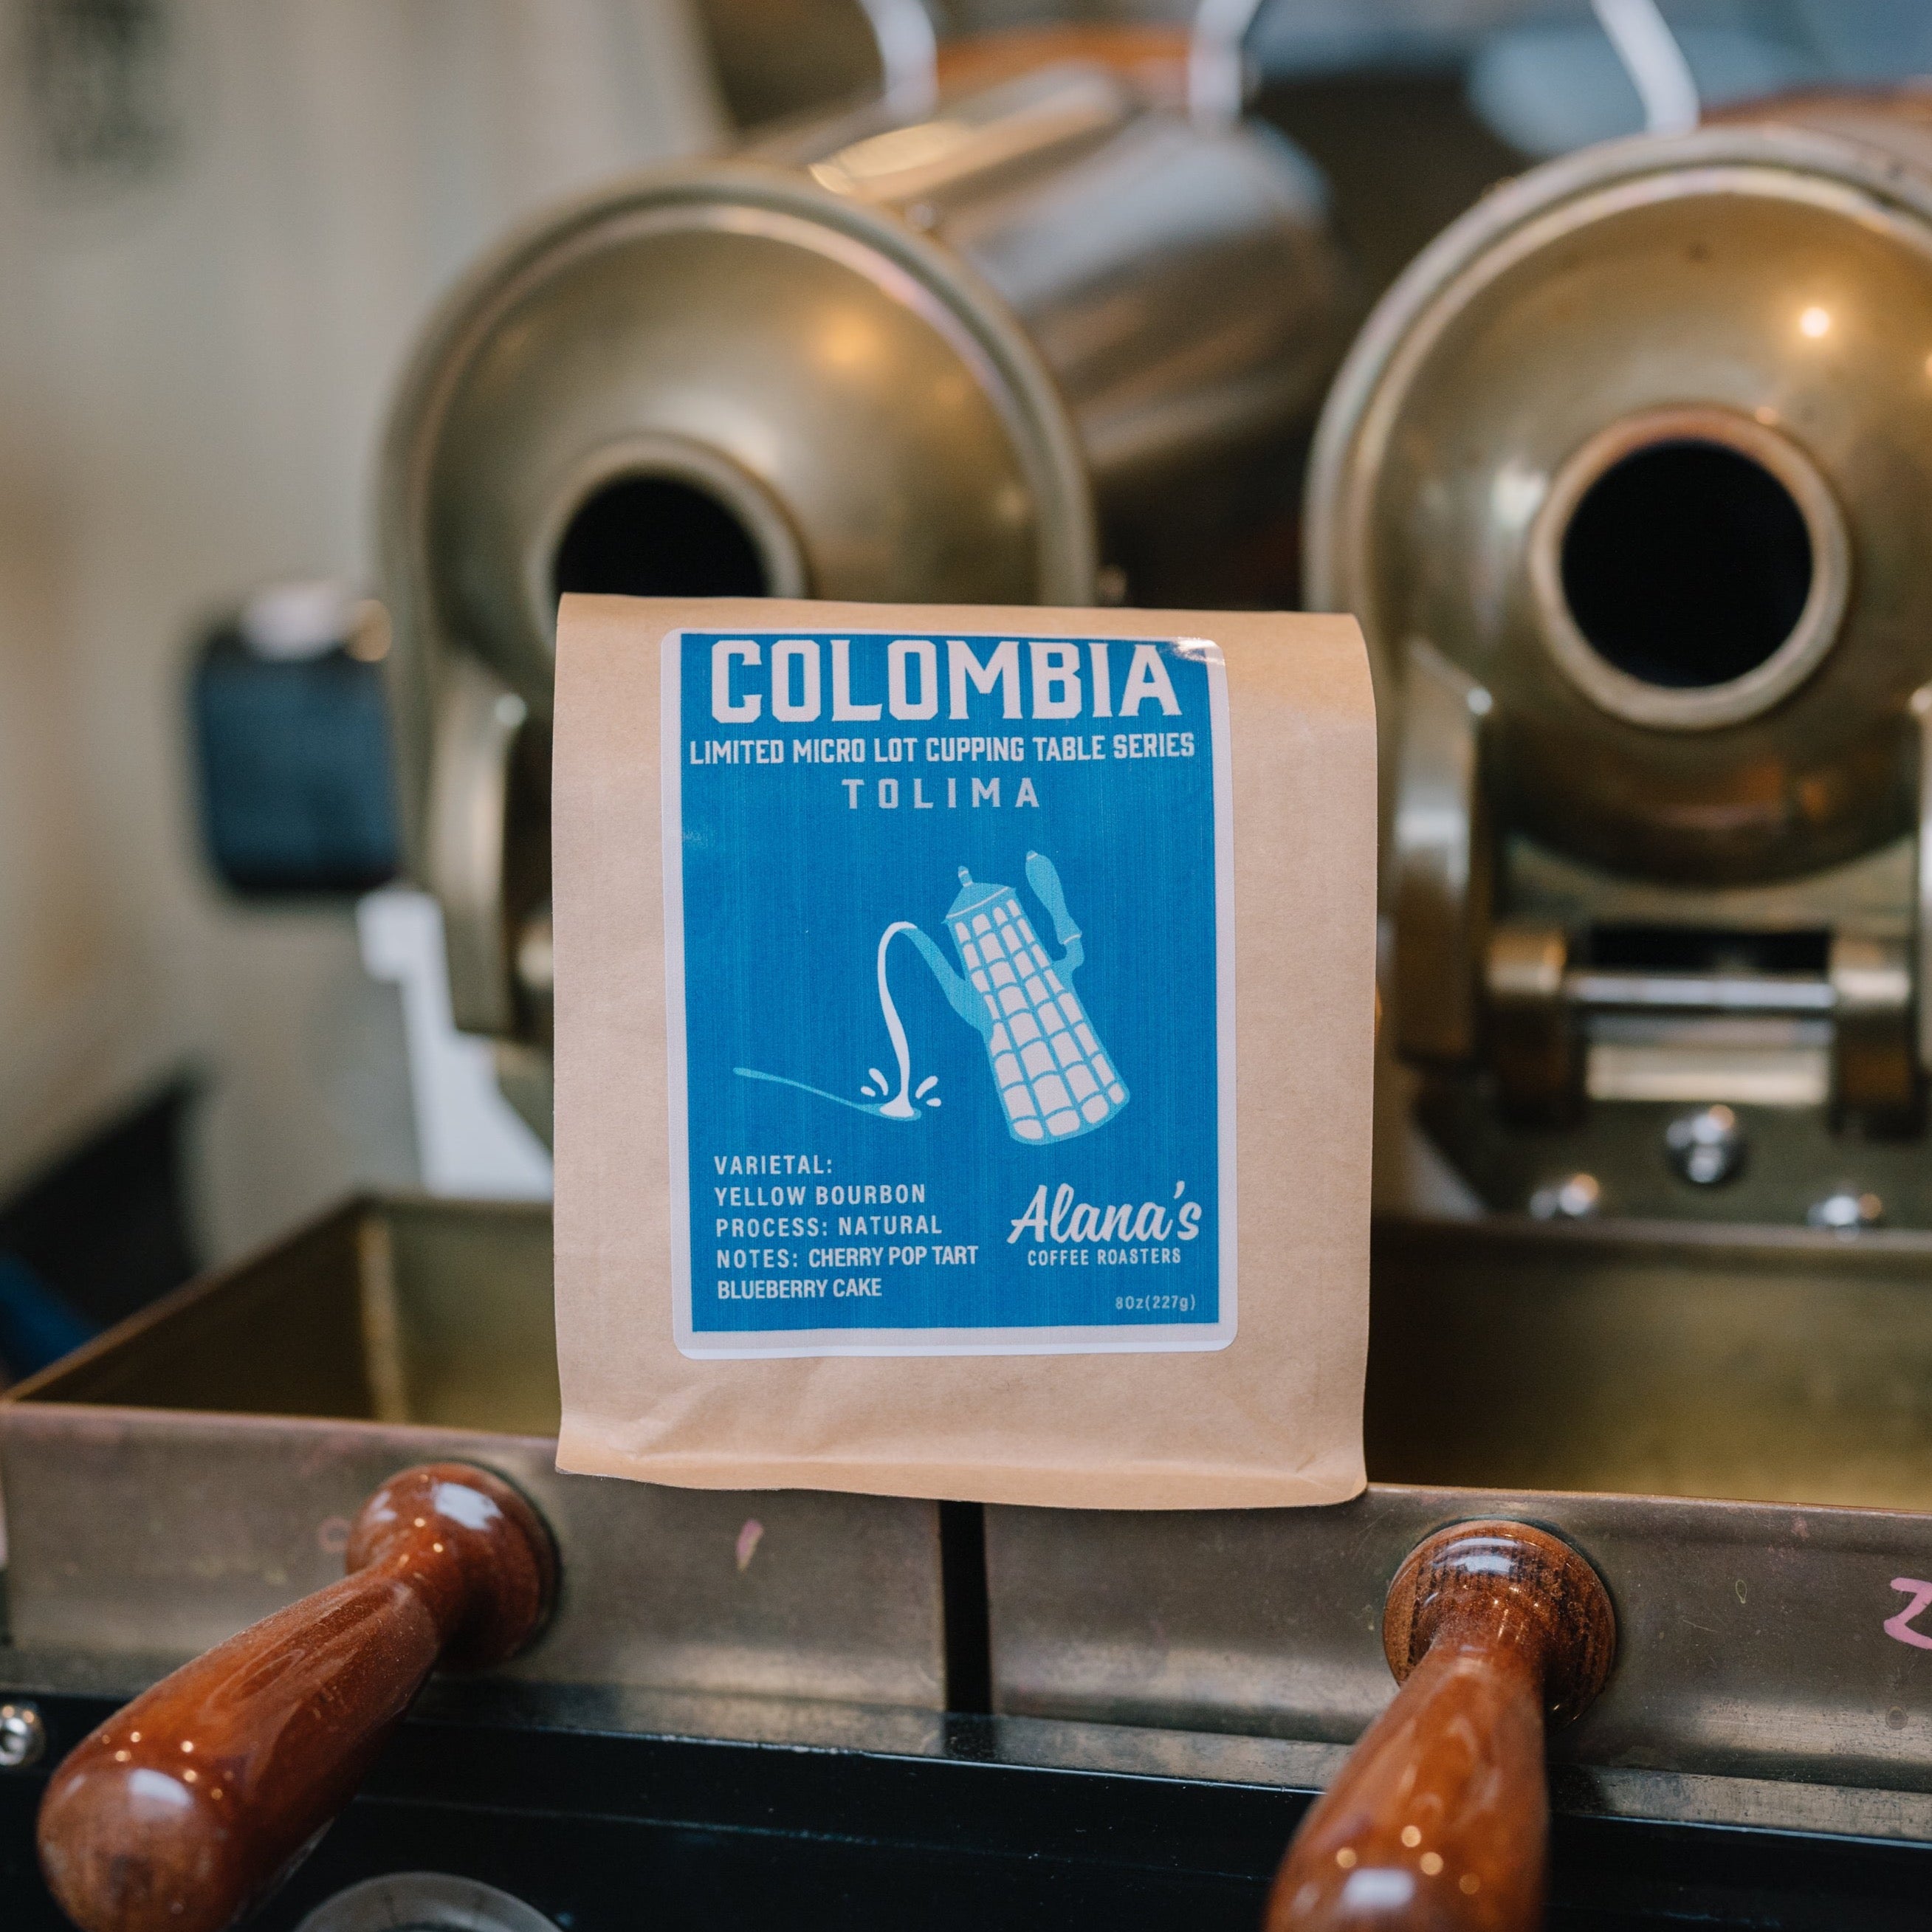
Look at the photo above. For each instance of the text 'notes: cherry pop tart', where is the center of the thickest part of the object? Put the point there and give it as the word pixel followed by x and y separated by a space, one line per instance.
pixel 964 1035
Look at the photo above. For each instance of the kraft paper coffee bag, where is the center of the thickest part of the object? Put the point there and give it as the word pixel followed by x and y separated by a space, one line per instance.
pixel 964 1040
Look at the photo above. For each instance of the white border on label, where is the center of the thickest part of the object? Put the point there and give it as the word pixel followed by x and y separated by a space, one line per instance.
pixel 1164 1338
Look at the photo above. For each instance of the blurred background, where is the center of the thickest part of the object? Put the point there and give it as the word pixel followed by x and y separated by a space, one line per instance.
pixel 219 227
pixel 222 227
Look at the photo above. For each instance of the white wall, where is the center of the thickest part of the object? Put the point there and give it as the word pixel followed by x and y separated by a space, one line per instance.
pixel 194 361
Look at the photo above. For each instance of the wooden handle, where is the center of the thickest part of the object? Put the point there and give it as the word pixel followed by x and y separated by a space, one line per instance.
pixel 1440 1820
pixel 183 1808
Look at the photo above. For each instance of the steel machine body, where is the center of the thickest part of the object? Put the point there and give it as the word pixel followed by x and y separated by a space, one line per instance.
pixel 1624 479
pixel 875 359
pixel 1138 1704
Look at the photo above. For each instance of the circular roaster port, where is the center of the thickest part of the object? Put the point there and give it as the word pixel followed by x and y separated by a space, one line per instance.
pixel 658 536
pixel 1690 568
pixel 1686 565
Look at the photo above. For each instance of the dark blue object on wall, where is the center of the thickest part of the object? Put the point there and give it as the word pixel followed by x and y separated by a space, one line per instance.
pixel 297 786
pixel 36 1326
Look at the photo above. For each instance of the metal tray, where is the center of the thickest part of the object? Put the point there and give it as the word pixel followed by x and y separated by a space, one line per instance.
pixel 1734 1425
pixel 197 1467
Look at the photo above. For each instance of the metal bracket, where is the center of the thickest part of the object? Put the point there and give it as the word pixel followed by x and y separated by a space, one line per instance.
pixel 1532 1033
pixel 1874 1070
pixel 476 728
pixel 1441 858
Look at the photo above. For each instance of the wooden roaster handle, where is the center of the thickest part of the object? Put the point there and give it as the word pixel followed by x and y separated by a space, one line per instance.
pixel 181 1810
pixel 1439 1822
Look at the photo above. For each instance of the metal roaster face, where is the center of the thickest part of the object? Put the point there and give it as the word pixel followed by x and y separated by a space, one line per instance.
pixel 882 361
pixel 1627 481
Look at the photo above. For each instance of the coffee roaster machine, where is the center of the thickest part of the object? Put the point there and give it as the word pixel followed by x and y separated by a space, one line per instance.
pixel 839 1706
pixel 1620 482
pixel 1655 897
pixel 941 360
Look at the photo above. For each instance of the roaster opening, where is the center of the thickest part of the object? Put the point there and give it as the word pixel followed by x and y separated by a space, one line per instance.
pixel 658 536
pixel 1687 564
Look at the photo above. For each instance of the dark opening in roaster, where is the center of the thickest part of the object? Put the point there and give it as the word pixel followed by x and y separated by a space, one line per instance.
pixel 1686 565
pixel 658 536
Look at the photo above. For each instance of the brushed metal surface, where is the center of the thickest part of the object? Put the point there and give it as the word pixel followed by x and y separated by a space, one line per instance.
pixel 1623 1385
pixel 1778 1083
pixel 199 1467
pixel 1438 857
pixel 1758 292
pixel 156 1534
pixel 1753 1636
pixel 770 61
pixel 1773 1365
pixel 1649 275
pixel 897 352
pixel 911 359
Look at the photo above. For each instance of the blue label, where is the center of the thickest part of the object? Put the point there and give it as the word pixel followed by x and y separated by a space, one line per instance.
pixel 949 928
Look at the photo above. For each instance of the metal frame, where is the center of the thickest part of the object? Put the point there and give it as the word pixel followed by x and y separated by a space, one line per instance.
pixel 138 1535
pixel 1706 708
pixel 1753 1640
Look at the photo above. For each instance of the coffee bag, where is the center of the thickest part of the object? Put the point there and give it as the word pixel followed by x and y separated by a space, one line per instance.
pixel 964 1037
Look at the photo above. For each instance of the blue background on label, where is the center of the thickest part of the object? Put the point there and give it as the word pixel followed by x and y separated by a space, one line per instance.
pixel 786 888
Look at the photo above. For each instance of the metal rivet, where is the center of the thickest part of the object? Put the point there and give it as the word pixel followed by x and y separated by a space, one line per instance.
pixel 1706 1147
pixel 1845 1210
pixel 23 1737
pixel 1577 1199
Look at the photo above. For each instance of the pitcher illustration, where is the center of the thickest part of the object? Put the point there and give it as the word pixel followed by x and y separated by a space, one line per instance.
pixel 1055 1078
